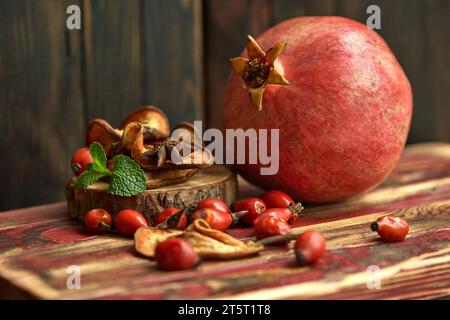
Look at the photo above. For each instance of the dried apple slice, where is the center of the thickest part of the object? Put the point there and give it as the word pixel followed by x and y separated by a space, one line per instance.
pixel 146 239
pixel 186 131
pixel 151 117
pixel 102 132
pixel 158 155
pixel 207 242
pixel 129 134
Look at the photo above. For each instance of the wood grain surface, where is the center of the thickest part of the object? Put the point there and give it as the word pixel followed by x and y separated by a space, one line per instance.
pixel 38 244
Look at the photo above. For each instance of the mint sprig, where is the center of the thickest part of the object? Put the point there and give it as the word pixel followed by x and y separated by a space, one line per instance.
pixel 127 178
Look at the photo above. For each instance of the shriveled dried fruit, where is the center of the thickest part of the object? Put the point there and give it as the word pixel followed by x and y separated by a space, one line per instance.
pixel 102 132
pixel 151 117
pixel 207 242
pixel 160 154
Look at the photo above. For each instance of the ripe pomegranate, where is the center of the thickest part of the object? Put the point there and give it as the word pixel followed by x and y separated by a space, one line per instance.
pixel 343 106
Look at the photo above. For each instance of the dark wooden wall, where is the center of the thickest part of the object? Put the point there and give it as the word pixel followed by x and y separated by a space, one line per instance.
pixel 171 53
pixel 53 81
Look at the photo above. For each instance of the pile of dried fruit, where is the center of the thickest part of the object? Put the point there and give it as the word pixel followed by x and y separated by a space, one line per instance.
pixel 139 155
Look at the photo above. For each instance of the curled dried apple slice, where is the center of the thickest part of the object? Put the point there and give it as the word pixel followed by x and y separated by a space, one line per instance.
pixel 186 131
pixel 129 134
pixel 159 155
pixel 102 132
pixel 150 117
pixel 207 242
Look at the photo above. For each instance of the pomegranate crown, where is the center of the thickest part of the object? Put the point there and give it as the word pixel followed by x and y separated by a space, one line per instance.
pixel 259 69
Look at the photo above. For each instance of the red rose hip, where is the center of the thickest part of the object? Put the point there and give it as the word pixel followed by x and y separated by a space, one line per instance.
pixel 216 219
pixel 175 254
pixel 287 214
pixel 166 214
pixel 277 199
pixel 270 227
pixel 128 221
pixel 80 159
pixel 254 206
pixel 217 204
pixel 309 247
pixel 391 228
pixel 97 221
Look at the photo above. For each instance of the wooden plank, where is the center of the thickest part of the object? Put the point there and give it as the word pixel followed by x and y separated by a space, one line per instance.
pixel 42 111
pixel 35 254
pixel 172 59
pixel 227 22
pixel 351 248
pixel 417 36
pixel 112 67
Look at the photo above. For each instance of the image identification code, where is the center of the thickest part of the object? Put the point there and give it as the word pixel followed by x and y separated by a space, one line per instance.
pixel 226 309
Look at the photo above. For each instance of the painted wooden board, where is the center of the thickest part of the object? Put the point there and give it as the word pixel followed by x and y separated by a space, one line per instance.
pixel 38 244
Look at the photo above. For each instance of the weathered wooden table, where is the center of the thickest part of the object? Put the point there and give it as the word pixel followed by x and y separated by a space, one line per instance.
pixel 37 245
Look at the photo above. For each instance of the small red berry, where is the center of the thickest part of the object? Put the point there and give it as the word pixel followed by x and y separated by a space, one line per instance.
pixel 271 226
pixel 277 199
pixel 309 247
pixel 97 221
pixel 391 228
pixel 169 212
pixel 216 219
pixel 80 159
pixel 175 254
pixel 216 204
pixel 290 213
pixel 128 221
pixel 254 206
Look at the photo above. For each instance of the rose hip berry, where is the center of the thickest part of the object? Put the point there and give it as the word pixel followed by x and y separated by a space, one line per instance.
pixel 271 226
pixel 128 221
pixel 175 254
pixel 80 159
pixel 217 204
pixel 254 206
pixel 168 213
pixel 287 214
pixel 391 228
pixel 309 247
pixel 97 221
pixel 216 219
pixel 277 199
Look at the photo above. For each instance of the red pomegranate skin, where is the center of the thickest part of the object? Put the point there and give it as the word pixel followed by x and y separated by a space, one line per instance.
pixel 344 117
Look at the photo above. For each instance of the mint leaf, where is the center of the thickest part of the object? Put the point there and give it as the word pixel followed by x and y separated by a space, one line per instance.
pixel 95 171
pixel 88 178
pixel 128 178
pixel 99 157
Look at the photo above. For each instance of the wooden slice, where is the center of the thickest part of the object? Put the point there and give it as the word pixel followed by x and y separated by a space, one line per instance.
pixel 213 182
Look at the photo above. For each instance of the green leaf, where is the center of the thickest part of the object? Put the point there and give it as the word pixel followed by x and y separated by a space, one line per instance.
pixel 128 178
pixel 98 154
pixel 99 157
pixel 88 178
